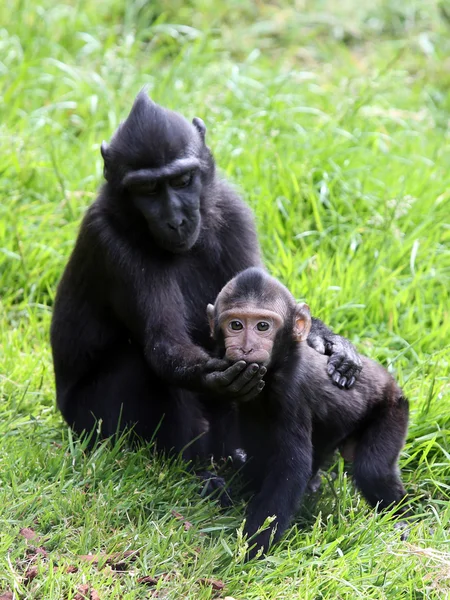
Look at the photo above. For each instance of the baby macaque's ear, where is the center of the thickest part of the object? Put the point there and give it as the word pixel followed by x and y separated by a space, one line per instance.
pixel 210 313
pixel 302 325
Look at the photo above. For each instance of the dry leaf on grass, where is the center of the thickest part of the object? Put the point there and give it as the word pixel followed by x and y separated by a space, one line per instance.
pixel 7 596
pixel 179 517
pixel 30 574
pixel 28 533
pixel 117 561
pixel 70 569
pixel 33 552
pixel 216 584
pixel 82 593
pixel 33 572
pixel 86 592
pixel 148 580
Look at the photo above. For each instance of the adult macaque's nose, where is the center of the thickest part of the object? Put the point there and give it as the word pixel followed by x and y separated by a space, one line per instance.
pixel 176 224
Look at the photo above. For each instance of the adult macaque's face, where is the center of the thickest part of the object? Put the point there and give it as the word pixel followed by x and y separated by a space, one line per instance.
pixel 157 163
pixel 171 207
pixel 249 334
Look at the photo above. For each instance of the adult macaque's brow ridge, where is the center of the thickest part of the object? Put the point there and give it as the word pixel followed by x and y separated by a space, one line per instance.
pixel 173 169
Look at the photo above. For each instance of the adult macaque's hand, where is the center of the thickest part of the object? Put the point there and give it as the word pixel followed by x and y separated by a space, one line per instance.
pixel 240 381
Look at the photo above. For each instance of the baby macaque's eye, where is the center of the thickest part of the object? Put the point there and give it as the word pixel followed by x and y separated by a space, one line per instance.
pixel 236 325
pixel 262 326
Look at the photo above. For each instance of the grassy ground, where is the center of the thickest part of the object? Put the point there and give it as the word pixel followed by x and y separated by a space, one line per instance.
pixel 333 119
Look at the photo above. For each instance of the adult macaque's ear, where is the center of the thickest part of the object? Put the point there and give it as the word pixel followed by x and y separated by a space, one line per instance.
pixel 210 313
pixel 104 148
pixel 200 127
pixel 302 325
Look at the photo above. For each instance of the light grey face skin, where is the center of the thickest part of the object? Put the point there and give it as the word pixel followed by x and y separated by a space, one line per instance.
pixel 249 331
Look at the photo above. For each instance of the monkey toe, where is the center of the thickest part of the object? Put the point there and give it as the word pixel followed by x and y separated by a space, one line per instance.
pixel 403 528
pixel 216 487
pixel 315 483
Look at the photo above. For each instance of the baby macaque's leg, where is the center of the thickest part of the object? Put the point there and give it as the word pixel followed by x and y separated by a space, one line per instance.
pixel 376 471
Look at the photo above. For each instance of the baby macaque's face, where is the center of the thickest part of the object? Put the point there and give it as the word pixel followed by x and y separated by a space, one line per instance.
pixel 249 334
pixel 249 313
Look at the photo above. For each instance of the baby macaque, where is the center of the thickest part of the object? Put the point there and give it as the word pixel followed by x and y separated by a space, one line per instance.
pixel 300 418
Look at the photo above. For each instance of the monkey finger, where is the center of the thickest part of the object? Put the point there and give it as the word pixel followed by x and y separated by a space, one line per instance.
pixel 219 381
pixel 335 363
pixel 336 378
pixel 347 367
pixel 350 383
pixel 250 373
pixel 227 377
pixel 348 371
pixel 343 382
pixel 353 362
pixel 216 364
pixel 352 376
pixel 252 387
pixel 252 393
pixel 243 381
pixel 249 377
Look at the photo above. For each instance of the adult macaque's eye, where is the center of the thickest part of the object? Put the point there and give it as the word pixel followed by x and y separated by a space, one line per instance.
pixel 146 189
pixel 262 326
pixel 236 325
pixel 181 181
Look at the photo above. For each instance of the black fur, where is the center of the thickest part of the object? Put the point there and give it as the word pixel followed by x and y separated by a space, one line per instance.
pixel 300 418
pixel 129 335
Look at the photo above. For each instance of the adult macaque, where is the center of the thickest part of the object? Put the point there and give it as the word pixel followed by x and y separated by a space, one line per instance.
pixel 129 336
pixel 301 418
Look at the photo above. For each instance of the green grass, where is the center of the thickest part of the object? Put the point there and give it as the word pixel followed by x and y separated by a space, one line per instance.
pixel 333 119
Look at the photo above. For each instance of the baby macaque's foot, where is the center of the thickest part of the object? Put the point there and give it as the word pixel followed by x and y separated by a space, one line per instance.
pixel 403 528
pixel 216 487
pixel 315 483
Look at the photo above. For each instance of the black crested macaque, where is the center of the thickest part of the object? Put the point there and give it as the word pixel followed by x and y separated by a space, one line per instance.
pixel 129 335
pixel 300 418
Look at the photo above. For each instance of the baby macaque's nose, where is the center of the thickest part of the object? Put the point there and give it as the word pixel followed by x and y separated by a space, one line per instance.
pixel 246 351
